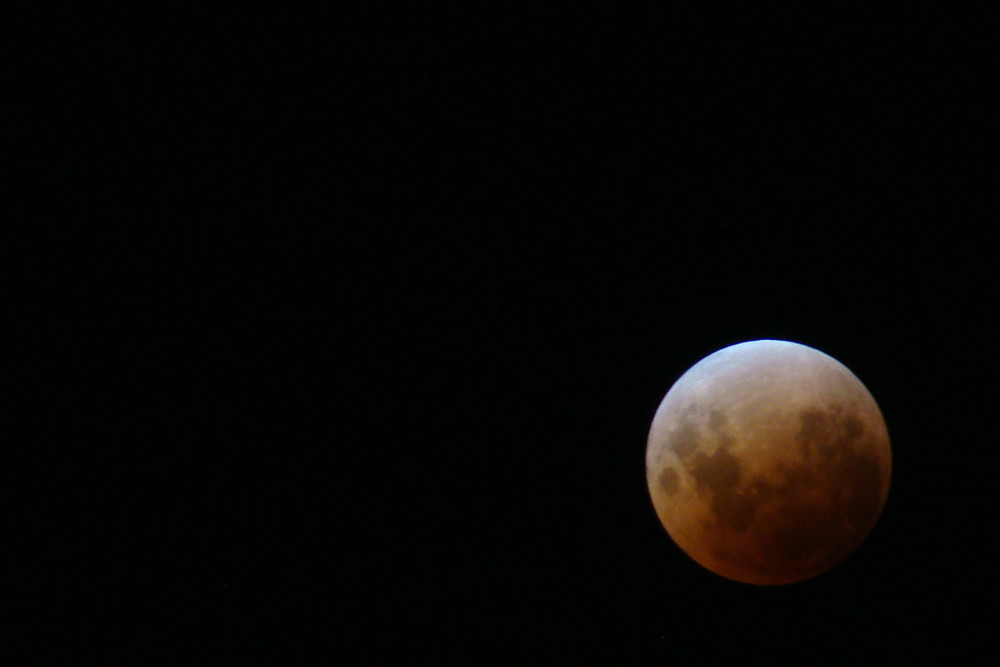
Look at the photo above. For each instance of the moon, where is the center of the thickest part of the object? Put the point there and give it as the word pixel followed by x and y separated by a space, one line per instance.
pixel 768 462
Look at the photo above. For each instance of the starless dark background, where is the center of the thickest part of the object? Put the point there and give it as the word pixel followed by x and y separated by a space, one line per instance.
pixel 347 335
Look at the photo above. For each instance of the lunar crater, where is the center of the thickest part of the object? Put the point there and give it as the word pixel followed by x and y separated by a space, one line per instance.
pixel 685 441
pixel 669 481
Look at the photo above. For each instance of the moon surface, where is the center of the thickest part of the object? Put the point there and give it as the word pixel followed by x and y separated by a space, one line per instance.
pixel 768 462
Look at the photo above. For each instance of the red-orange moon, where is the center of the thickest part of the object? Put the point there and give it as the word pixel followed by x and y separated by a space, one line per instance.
pixel 768 462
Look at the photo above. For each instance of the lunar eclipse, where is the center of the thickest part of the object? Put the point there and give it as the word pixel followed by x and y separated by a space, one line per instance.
pixel 768 462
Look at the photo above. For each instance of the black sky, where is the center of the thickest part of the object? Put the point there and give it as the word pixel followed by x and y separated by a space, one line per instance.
pixel 350 338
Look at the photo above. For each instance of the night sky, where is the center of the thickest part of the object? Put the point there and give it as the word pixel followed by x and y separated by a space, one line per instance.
pixel 351 339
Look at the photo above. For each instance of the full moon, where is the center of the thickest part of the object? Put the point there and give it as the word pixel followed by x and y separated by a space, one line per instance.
pixel 768 462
